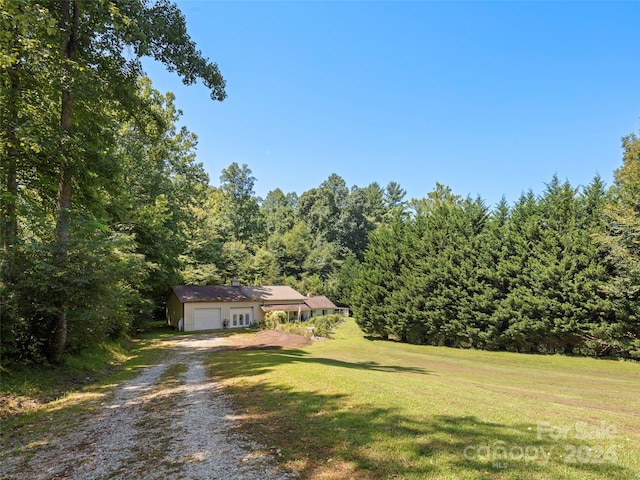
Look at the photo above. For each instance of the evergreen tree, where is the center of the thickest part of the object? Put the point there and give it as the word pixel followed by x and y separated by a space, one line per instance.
pixel 378 278
pixel 394 201
pixel 346 279
pixel 622 243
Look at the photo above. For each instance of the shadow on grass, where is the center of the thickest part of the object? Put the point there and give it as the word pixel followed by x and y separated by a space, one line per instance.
pixel 332 436
pixel 259 360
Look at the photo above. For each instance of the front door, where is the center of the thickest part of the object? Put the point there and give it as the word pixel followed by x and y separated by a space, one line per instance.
pixel 241 317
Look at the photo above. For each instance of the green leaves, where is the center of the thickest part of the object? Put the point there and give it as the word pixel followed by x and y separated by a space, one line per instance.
pixel 239 207
pixel 98 184
pixel 530 279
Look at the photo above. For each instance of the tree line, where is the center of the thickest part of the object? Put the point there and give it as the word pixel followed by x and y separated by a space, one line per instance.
pixel 104 208
pixel 97 181
pixel 555 273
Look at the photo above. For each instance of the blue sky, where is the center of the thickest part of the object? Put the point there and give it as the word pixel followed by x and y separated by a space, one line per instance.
pixel 489 98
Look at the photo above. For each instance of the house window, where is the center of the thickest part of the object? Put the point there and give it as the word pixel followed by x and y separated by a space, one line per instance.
pixel 241 319
pixel 235 319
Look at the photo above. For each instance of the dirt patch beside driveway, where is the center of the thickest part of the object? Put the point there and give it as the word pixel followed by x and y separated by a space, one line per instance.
pixel 273 339
pixel 201 342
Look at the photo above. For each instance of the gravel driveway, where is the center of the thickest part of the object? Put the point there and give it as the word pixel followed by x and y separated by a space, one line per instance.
pixel 170 421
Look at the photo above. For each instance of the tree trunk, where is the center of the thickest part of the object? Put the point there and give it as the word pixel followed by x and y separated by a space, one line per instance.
pixel 69 19
pixel 8 212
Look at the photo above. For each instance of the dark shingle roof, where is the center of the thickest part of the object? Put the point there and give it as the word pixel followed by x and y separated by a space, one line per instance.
pixel 209 293
pixel 226 293
pixel 319 302
pixel 273 293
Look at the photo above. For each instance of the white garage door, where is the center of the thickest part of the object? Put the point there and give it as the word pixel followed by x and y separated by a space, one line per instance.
pixel 241 317
pixel 207 319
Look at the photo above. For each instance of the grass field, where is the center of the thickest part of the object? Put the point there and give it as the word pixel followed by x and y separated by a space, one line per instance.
pixel 356 408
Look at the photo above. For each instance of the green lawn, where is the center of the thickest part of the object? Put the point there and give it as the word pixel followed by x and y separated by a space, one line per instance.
pixel 357 408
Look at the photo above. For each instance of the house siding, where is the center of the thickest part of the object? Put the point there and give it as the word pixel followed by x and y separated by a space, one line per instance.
pixel 225 308
pixel 175 310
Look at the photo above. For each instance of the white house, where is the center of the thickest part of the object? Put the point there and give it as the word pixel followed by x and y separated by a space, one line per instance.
pixel 320 305
pixel 213 307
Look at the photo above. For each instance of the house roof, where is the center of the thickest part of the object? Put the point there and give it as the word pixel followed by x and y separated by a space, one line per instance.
pixel 209 293
pixel 273 293
pixel 290 307
pixel 226 293
pixel 319 302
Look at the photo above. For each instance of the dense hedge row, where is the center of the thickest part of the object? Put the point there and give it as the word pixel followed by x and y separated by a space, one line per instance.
pixel 537 277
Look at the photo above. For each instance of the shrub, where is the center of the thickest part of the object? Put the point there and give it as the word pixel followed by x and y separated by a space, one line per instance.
pixel 322 326
pixel 273 319
pixel 316 326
